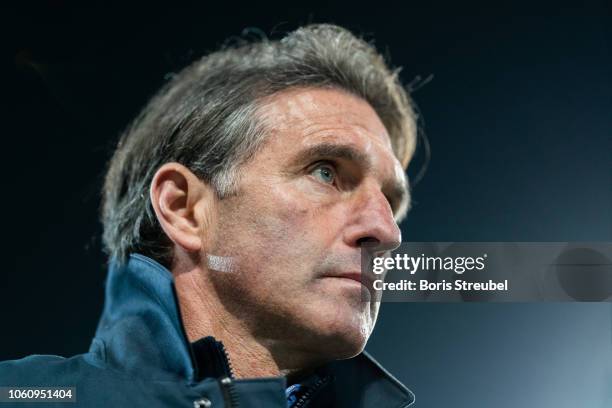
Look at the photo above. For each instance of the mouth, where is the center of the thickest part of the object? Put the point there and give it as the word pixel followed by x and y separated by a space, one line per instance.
pixel 358 277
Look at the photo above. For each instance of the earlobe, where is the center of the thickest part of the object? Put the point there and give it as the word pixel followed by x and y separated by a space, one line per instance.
pixel 177 197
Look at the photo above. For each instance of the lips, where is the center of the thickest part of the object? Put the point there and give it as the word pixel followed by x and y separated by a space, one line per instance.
pixel 351 276
pixel 355 276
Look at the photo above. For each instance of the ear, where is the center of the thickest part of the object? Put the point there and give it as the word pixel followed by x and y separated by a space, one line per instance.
pixel 183 205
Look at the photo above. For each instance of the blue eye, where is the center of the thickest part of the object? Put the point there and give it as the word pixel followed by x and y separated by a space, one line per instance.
pixel 325 173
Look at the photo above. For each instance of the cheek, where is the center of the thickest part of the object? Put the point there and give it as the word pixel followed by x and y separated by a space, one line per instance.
pixel 277 232
pixel 285 214
pixel 266 234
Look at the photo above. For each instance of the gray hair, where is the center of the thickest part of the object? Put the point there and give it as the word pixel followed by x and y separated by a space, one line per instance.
pixel 206 118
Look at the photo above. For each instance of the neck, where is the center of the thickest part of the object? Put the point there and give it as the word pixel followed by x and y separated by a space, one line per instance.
pixel 204 315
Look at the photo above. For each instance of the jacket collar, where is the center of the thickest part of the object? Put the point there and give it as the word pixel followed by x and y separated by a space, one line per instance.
pixel 141 333
pixel 140 330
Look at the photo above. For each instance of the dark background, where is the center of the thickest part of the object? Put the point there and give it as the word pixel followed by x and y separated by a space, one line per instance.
pixel 518 115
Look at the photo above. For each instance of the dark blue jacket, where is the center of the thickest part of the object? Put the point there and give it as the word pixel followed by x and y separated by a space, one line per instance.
pixel 140 357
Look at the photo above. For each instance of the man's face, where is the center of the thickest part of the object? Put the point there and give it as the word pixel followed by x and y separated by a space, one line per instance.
pixel 323 183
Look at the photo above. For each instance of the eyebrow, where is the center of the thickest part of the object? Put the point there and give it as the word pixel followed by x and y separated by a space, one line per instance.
pixel 397 190
pixel 333 150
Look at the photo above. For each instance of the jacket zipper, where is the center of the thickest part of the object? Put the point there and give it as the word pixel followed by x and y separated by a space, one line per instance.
pixel 307 397
pixel 226 361
pixel 230 395
pixel 228 388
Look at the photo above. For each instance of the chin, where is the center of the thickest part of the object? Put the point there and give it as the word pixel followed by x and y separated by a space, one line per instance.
pixel 343 346
pixel 345 338
pixel 334 329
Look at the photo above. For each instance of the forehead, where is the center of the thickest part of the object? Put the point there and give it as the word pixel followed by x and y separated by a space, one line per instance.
pixel 304 117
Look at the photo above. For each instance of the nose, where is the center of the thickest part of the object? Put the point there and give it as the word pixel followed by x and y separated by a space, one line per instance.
pixel 372 223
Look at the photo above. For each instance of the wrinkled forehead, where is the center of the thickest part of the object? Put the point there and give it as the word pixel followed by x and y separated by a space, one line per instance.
pixel 313 114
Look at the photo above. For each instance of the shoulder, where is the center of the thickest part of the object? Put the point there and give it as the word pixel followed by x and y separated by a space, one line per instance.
pixel 93 385
pixel 40 369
